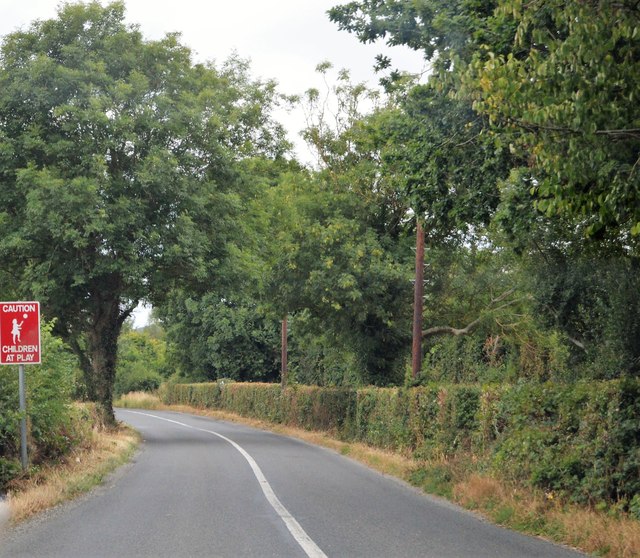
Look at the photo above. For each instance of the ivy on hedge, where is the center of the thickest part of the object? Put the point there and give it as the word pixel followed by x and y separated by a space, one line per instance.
pixel 581 440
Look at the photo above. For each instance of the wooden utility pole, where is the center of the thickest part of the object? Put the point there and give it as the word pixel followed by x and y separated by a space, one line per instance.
pixel 283 357
pixel 418 293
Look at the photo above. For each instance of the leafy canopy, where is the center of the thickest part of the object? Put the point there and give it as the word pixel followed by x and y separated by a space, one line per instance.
pixel 118 161
pixel 566 95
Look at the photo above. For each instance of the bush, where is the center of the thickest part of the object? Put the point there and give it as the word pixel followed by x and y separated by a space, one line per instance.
pixel 49 407
pixel 141 359
pixel 581 440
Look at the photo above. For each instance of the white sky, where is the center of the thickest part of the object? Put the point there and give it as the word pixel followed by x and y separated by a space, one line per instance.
pixel 284 39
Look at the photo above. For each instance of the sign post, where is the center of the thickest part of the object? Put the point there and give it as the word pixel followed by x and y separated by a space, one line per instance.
pixel 23 417
pixel 20 344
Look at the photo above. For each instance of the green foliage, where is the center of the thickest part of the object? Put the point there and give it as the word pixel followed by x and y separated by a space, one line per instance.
pixel 558 79
pixel 9 469
pixel 141 362
pixel 49 407
pixel 586 291
pixel 433 479
pixel 119 164
pixel 595 300
pixel 445 32
pixel 50 389
pixel 565 95
pixel 341 278
pixel 450 169
pixel 213 339
pixel 528 125
pixel 579 440
pixel 321 358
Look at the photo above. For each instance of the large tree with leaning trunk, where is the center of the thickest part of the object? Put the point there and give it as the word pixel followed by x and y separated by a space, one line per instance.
pixel 118 171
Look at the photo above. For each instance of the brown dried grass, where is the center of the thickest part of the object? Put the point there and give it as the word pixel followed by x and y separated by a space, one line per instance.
pixel 600 533
pixel 478 492
pixel 139 400
pixel 605 534
pixel 76 474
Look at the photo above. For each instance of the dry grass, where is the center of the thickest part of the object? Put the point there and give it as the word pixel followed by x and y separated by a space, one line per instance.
pixel 82 470
pixel 612 535
pixel 138 400
pixel 598 532
pixel 478 492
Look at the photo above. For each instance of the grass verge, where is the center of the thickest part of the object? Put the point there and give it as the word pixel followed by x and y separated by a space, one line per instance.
pixel 611 534
pixel 46 486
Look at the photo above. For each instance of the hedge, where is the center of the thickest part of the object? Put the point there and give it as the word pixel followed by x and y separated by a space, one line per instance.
pixel 581 440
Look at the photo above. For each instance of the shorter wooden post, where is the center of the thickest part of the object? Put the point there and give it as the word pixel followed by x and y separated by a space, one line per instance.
pixel 283 369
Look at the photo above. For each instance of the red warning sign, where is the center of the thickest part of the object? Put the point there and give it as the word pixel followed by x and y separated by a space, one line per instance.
pixel 20 333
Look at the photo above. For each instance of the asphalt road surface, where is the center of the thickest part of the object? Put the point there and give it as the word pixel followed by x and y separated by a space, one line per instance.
pixel 200 487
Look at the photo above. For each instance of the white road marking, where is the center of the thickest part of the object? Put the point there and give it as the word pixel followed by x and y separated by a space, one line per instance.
pixel 5 514
pixel 311 548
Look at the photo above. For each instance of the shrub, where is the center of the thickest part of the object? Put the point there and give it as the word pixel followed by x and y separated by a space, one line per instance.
pixel 581 440
pixel 141 359
pixel 49 407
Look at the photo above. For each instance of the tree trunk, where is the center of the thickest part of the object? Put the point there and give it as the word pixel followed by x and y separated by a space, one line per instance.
pixel 102 351
pixel 103 346
pixel 284 353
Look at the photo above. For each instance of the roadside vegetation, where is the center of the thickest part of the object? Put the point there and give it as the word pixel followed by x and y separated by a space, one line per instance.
pixel 455 465
pixel 52 483
pixel 56 425
pixel 69 449
pixel 129 173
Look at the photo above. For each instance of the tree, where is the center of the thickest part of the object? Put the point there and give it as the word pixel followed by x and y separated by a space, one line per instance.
pixel 339 277
pixel 566 96
pixel 584 288
pixel 141 360
pixel 117 161
pixel 558 79
pixel 447 32
pixel 213 337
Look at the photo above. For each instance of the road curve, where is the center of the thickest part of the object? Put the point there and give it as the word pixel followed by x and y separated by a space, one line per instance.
pixel 200 487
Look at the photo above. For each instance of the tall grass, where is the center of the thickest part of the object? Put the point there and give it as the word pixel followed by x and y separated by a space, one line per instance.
pixel 139 400
pixel 101 452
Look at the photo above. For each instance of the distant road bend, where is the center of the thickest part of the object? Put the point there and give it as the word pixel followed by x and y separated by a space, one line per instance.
pixel 200 487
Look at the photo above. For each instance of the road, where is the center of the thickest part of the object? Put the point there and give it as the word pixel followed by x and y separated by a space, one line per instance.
pixel 200 487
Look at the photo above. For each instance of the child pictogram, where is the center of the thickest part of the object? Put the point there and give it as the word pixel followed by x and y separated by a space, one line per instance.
pixel 15 331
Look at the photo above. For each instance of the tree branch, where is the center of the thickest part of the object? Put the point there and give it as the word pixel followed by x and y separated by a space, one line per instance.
pixel 127 311
pixel 577 343
pixel 457 332
pixel 451 330
pixel 629 132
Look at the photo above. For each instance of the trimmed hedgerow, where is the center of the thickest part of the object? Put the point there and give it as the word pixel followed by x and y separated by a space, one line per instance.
pixel 581 440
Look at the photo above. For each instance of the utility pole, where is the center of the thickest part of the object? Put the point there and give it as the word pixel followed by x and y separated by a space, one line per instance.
pixel 283 359
pixel 416 351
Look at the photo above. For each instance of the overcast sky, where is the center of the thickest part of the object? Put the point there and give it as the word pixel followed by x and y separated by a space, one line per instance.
pixel 284 39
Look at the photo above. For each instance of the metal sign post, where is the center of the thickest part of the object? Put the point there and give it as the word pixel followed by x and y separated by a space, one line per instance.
pixel 23 418
pixel 20 344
